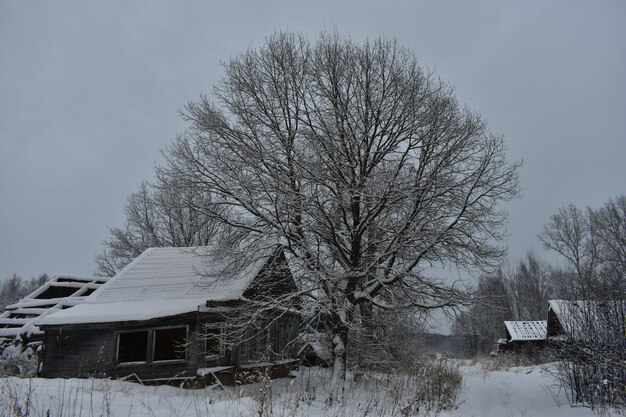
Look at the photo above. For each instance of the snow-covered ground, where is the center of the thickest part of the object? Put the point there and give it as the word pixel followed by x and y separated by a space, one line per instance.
pixel 520 391
pixel 523 391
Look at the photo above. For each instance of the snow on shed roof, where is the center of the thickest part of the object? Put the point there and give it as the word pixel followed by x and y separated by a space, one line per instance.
pixel 61 292
pixel 526 330
pixel 163 282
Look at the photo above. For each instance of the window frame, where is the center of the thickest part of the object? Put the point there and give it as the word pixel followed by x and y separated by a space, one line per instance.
pixel 153 330
pixel 220 341
pixel 117 346
pixel 150 345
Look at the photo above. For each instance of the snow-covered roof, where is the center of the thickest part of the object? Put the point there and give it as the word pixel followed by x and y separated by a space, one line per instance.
pixel 573 315
pixel 162 282
pixel 61 292
pixel 526 330
pixel 581 318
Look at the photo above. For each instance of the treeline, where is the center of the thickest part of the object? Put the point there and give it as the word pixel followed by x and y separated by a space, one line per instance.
pixel 514 292
pixel 14 288
pixel 592 248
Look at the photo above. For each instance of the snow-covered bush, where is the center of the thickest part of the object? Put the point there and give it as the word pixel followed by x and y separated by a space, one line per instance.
pixel 592 352
pixel 599 386
pixel 16 360
pixel 438 381
pixel 429 386
pixel 263 396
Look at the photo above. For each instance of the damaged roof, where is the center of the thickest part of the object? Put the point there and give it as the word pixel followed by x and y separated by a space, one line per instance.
pixel 526 330
pixel 167 281
pixel 61 292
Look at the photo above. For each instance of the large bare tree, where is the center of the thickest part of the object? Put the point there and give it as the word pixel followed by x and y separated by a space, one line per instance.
pixel 362 164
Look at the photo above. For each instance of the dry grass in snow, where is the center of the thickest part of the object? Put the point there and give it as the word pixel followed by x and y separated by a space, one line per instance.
pixel 523 391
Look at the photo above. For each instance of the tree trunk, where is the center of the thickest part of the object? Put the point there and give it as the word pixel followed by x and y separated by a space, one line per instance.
pixel 340 343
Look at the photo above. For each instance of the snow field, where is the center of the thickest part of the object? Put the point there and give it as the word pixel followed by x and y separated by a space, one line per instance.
pixel 515 392
pixel 529 391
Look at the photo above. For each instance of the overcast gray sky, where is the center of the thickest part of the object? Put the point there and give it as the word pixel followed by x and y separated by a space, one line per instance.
pixel 89 93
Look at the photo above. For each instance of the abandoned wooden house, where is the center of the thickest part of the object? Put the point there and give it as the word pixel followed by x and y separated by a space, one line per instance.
pixel 561 317
pixel 166 317
pixel 581 319
pixel 523 337
pixel 61 292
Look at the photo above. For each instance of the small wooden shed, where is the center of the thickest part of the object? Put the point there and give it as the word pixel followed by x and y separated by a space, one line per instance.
pixel 579 320
pixel 524 337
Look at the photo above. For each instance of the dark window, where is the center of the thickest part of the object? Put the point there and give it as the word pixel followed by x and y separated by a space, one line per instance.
pixel 56 292
pixel 132 347
pixel 20 316
pixel 169 344
pixel 68 279
pixel 212 342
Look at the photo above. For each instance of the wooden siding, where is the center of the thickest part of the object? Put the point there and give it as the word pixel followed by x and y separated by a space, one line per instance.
pixel 280 336
pixel 81 351
pixel 554 325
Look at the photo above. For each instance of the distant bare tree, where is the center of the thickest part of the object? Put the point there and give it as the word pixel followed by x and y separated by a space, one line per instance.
pixel 609 230
pixel 530 288
pixel 15 288
pixel 156 215
pixel 593 244
pixel 568 234
pixel 361 163
pixel 561 283
pixel 483 323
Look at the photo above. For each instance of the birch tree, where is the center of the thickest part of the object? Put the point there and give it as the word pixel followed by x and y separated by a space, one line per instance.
pixel 360 162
